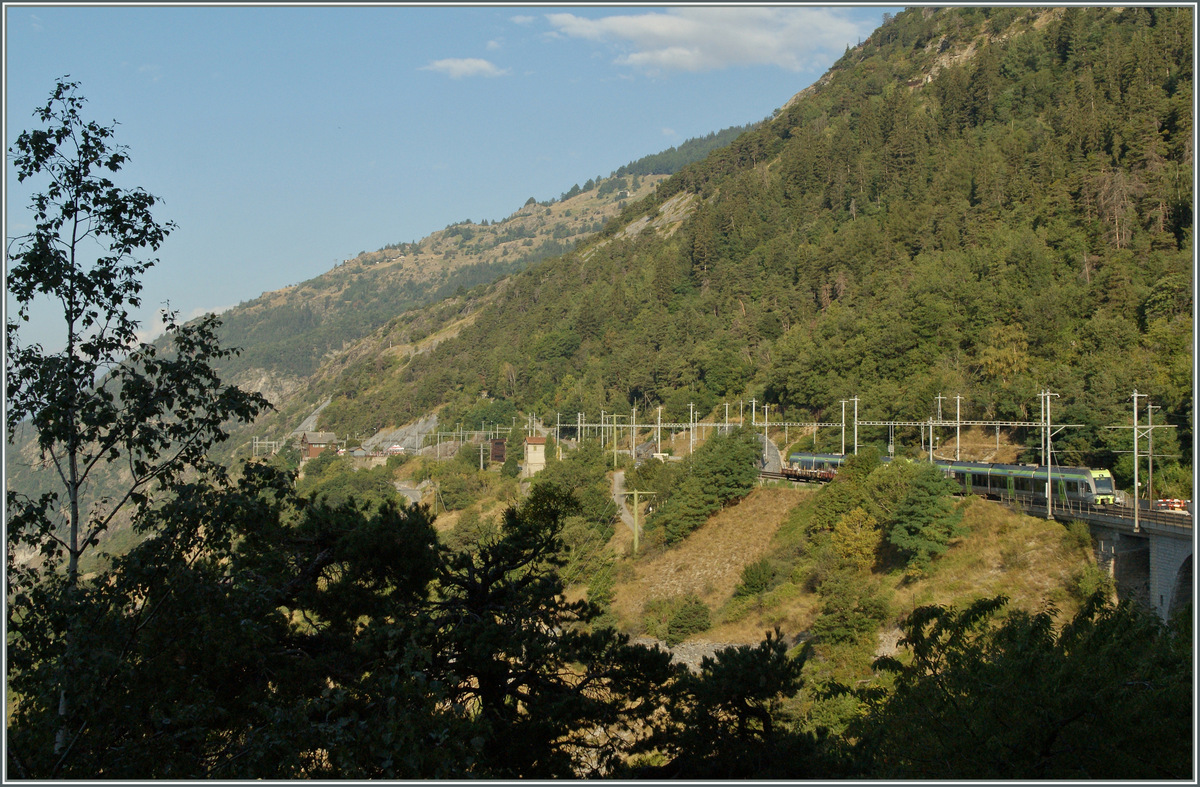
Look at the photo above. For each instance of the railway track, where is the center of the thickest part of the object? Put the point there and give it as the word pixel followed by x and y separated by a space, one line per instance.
pixel 1172 518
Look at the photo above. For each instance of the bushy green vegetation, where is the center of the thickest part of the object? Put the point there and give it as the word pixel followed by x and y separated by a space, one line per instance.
pixel 458 483
pixel 721 471
pixel 676 618
pixel 337 480
pixel 588 560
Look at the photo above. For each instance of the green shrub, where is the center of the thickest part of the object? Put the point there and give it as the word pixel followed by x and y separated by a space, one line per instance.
pixel 691 617
pixel 851 608
pixel 1079 535
pixel 1089 579
pixel 676 618
pixel 757 577
pixel 721 471
pixel 510 469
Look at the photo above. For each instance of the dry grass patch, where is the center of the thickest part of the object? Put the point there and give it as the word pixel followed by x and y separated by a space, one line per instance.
pixel 1028 559
pixel 709 562
pixel 792 615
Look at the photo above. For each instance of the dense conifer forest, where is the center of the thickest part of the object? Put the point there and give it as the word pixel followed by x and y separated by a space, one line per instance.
pixel 976 202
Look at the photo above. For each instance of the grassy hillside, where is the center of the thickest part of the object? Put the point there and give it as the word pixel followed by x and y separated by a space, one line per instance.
pixel 974 202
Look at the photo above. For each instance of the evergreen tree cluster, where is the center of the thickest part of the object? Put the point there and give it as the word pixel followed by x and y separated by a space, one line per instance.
pixel 722 470
pixel 673 159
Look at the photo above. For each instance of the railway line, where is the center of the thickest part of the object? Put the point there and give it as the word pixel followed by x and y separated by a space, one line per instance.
pixel 1071 509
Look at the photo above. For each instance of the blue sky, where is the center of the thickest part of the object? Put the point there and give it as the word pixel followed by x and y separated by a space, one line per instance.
pixel 284 139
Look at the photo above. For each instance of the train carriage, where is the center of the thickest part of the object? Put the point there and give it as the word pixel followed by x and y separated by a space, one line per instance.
pixel 812 467
pixel 1028 482
pixel 993 480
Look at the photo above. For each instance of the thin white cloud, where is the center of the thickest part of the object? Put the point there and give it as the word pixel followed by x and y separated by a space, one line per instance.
pixel 460 67
pixel 522 19
pixel 153 328
pixel 704 39
pixel 493 45
pixel 668 132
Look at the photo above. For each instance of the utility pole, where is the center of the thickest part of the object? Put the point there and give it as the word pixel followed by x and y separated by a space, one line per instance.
pixel 658 430
pixel 1049 457
pixel 753 413
pixel 855 400
pixel 1136 495
pixel 766 425
pixel 1150 408
pixel 481 456
pixel 636 525
pixel 741 418
pixel 558 434
pixel 614 439
pixel 633 436
pixel 691 430
pixel 939 401
pixel 727 418
pixel 957 424
pixel 843 430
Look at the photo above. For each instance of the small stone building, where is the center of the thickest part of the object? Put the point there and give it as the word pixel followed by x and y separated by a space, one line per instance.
pixel 313 443
pixel 535 456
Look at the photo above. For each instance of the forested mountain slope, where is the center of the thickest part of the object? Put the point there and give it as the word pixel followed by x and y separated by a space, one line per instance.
pixel 291 331
pixel 973 201
pixel 286 334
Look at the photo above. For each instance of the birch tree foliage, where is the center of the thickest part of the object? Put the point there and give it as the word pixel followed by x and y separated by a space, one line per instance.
pixel 103 407
pixel 103 398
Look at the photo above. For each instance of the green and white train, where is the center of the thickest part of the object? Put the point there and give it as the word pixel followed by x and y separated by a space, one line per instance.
pixel 999 481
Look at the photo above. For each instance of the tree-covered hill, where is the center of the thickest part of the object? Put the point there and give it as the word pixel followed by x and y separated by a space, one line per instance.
pixel 975 202
pixel 673 159
pixel 285 335
pixel 290 332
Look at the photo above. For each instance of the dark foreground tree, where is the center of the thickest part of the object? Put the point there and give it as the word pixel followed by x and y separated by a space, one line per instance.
pixel 104 404
pixel 551 697
pixel 255 633
pixel 250 634
pixel 1106 696
pixel 727 720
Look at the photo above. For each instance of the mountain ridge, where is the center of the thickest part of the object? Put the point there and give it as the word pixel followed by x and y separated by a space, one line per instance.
pixel 984 204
